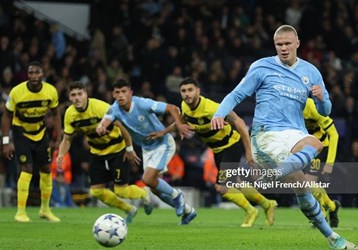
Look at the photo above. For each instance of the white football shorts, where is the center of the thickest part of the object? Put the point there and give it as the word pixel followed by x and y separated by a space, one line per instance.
pixel 159 157
pixel 271 147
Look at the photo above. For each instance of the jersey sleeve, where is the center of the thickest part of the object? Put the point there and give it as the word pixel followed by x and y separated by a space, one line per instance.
pixel 68 128
pixel 54 100
pixel 111 114
pixel 10 102
pixel 153 106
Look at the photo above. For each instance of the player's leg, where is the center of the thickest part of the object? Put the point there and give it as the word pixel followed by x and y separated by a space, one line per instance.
pixel 269 206
pixel 120 176
pixel 230 158
pixel 155 161
pixel 312 210
pixel 100 174
pixel 42 158
pixel 238 198
pixel 24 157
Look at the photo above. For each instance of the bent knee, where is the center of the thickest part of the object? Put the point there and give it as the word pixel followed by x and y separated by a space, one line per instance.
pixel 97 192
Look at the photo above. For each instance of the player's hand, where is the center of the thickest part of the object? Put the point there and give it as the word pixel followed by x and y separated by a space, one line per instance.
pixel 185 131
pixel 317 92
pixel 155 135
pixel 327 169
pixel 9 150
pixel 101 130
pixel 132 158
pixel 217 123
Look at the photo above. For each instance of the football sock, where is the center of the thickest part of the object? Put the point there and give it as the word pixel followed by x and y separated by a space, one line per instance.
pixel 164 187
pixel 23 185
pixel 110 198
pixel 130 192
pixel 296 161
pixel 254 196
pixel 331 205
pixel 46 190
pixel 238 198
pixel 312 210
pixel 167 199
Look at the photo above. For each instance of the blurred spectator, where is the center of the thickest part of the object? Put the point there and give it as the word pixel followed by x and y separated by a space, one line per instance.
pixel 58 40
pixel 175 173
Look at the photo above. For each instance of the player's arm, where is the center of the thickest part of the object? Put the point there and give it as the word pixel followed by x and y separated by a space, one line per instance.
pixel 63 149
pixel 321 100
pixel 130 154
pixel 157 134
pixel 240 126
pixel 184 129
pixel 332 149
pixel 8 146
pixel 103 125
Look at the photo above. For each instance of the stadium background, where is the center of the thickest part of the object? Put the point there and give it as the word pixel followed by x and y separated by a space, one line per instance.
pixel 156 43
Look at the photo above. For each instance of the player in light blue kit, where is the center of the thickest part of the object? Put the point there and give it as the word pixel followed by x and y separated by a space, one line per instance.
pixel 139 116
pixel 282 84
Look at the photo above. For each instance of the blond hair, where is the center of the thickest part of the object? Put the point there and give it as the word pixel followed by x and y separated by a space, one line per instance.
pixel 285 28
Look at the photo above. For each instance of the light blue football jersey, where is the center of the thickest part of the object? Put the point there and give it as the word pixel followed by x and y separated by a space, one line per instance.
pixel 281 94
pixel 140 120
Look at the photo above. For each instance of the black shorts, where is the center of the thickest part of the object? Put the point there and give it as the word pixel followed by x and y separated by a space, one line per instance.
pixel 29 151
pixel 228 158
pixel 317 164
pixel 107 168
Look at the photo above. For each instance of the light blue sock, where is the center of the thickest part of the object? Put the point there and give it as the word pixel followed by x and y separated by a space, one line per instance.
pixel 167 199
pixel 296 161
pixel 164 187
pixel 312 210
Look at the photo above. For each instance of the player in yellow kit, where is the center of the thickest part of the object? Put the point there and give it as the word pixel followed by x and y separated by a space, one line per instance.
pixel 26 108
pixel 110 153
pixel 322 127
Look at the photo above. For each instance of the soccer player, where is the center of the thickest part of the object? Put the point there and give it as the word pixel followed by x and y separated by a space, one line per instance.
pixel 279 138
pixel 228 145
pixel 26 108
pixel 110 152
pixel 138 115
pixel 322 127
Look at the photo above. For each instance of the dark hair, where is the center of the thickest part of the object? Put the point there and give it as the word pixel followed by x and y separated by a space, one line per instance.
pixel 36 63
pixel 120 83
pixel 76 85
pixel 189 80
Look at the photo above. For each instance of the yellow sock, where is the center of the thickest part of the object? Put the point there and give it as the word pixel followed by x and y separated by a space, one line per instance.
pixel 110 198
pixel 317 194
pixel 23 185
pixel 327 201
pixel 46 190
pixel 238 198
pixel 254 196
pixel 130 192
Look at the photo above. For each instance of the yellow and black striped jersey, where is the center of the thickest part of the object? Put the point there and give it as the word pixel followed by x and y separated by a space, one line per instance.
pixel 29 108
pixel 322 127
pixel 86 122
pixel 200 117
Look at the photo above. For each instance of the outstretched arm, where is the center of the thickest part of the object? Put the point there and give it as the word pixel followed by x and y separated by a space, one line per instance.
pixel 332 149
pixel 184 129
pixel 63 149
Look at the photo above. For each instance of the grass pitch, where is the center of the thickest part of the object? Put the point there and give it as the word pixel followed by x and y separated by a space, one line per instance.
pixel 212 229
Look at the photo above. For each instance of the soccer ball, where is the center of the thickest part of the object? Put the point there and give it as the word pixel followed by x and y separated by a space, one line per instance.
pixel 110 230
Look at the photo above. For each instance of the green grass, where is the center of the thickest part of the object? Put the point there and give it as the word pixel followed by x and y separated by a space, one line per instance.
pixel 212 229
